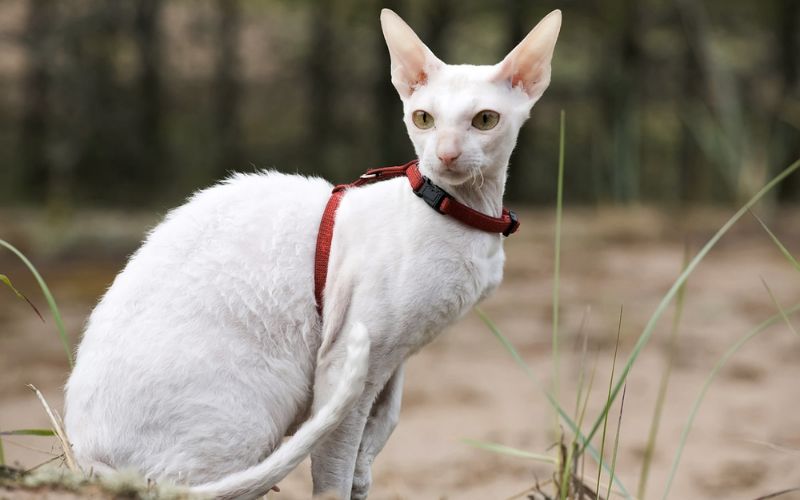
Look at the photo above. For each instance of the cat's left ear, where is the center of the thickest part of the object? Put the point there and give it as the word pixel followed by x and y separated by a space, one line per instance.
pixel 412 61
pixel 528 65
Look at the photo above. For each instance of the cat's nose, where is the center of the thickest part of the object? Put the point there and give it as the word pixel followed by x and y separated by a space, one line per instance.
pixel 447 159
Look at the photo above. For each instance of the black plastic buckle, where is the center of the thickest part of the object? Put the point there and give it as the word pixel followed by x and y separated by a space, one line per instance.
pixel 432 194
pixel 514 224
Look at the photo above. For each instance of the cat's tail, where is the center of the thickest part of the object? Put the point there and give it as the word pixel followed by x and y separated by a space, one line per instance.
pixel 260 478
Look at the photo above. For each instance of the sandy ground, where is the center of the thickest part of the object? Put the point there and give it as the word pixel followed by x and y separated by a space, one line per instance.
pixel 745 442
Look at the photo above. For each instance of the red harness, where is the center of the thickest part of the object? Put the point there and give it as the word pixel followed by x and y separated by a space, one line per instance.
pixel 433 195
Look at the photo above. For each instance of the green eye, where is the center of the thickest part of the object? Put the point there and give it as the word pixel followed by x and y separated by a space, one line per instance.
pixel 486 120
pixel 422 119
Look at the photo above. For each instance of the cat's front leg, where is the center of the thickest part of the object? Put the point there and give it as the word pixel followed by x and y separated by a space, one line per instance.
pixel 382 420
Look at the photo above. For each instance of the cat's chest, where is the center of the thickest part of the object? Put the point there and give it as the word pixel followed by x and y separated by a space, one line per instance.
pixel 447 286
pixel 411 262
pixel 465 265
pixel 470 269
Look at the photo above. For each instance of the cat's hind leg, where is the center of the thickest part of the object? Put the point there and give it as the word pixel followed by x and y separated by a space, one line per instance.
pixel 382 420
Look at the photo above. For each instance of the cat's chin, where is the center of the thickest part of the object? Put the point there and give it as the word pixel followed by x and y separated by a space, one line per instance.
pixel 452 177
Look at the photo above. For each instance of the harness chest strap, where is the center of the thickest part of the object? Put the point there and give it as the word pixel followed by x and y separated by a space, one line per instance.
pixel 433 195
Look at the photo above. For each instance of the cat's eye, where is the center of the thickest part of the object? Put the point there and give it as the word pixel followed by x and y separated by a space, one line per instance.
pixel 486 120
pixel 422 119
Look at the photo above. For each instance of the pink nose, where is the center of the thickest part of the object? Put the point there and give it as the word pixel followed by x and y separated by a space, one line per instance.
pixel 447 159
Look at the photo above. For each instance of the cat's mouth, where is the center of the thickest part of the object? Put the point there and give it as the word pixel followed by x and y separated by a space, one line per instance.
pixel 455 174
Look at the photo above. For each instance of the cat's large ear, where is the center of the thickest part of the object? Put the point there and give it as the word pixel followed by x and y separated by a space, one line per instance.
pixel 412 61
pixel 528 65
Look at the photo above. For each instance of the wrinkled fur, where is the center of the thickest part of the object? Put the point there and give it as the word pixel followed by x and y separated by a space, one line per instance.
pixel 207 350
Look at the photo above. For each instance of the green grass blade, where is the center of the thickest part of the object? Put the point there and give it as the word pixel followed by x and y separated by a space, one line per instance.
pixel 51 302
pixel 507 450
pixel 525 368
pixel 649 328
pixel 786 253
pixel 557 264
pixel 583 414
pixel 610 385
pixel 5 279
pixel 652 436
pixel 10 285
pixel 709 379
pixel 582 370
pixel 778 306
pixel 565 468
pixel 29 432
pixel 616 438
pixel 580 412
pixel 511 350
pixel 778 493
pixel 22 432
pixel 774 447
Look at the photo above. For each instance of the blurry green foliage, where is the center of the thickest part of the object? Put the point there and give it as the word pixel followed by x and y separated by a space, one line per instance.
pixel 138 103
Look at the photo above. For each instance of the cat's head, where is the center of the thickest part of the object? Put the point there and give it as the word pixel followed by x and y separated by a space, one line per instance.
pixel 463 119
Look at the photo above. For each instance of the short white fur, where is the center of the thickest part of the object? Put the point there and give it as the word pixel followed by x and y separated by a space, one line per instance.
pixel 207 349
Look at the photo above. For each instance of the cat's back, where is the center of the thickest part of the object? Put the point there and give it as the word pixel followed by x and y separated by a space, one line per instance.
pixel 257 207
pixel 244 244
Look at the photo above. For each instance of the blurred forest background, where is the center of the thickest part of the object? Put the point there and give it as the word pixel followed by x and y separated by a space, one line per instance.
pixel 137 103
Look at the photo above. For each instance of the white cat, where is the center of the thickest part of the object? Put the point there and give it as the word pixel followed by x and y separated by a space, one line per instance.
pixel 208 349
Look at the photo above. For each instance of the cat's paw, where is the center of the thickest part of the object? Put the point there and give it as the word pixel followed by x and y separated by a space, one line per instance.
pixel 362 482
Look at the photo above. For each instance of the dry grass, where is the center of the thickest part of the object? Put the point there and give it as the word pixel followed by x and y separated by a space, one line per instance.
pixel 60 483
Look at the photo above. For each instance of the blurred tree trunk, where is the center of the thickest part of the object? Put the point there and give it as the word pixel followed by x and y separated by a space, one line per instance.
pixel 148 43
pixel 392 139
pixel 320 80
pixel 789 38
pixel 516 26
pixel 439 17
pixel 106 143
pixel 788 34
pixel 33 130
pixel 619 80
pixel 228 92
pixel 694 178
pixel 629 101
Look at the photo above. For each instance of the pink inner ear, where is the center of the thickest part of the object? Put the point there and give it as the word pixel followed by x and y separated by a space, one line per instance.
pixel 414 83
pixel 413 71
pixel 527 78
pixel 507 72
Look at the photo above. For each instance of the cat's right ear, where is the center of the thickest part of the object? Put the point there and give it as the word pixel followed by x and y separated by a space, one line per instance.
pixel 412 61
pixel 528 65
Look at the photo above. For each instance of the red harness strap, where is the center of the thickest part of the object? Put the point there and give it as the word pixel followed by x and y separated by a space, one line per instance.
pixel 433 195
